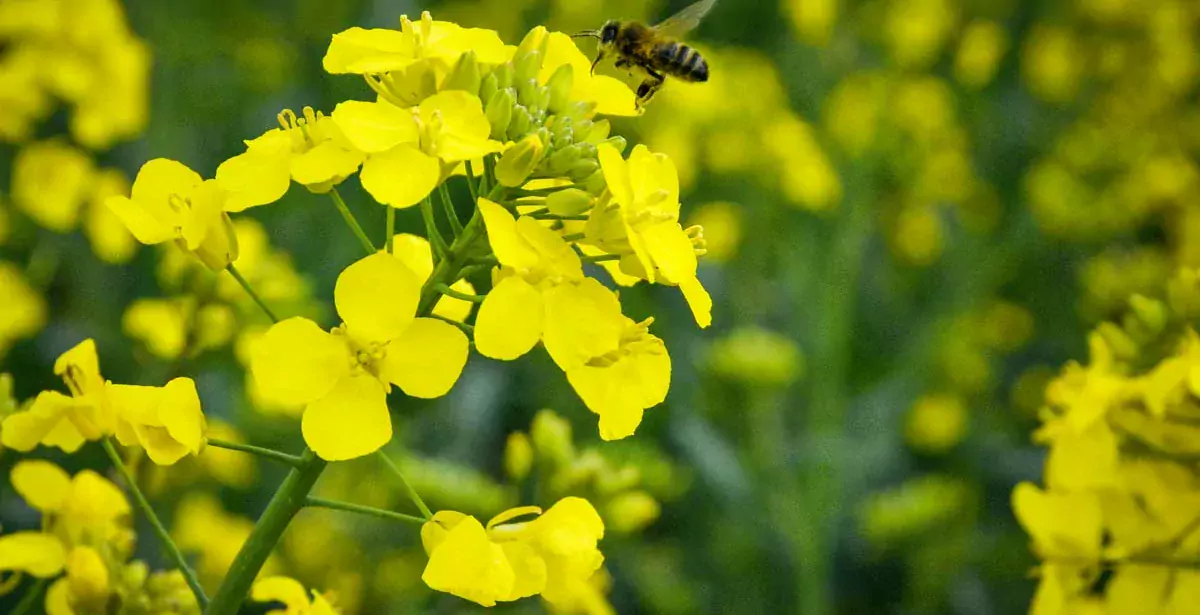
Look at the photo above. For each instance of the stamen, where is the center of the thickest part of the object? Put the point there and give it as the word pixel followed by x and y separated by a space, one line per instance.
pixel 287 119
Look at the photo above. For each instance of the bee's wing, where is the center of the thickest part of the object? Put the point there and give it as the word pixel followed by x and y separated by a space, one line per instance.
pixel 686 20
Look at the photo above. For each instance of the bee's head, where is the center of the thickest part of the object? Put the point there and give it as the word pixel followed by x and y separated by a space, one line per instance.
pixel 608 33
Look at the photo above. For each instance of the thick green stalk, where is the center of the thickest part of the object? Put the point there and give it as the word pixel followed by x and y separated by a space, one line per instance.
pixel 820 487
pixel 287 501
pixel 160 530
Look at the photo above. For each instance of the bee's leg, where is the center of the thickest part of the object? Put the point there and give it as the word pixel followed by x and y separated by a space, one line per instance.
pixel 649 87
pixel 599 56
pixel 625 65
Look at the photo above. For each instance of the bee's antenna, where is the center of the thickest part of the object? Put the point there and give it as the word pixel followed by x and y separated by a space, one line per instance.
pixel 587 33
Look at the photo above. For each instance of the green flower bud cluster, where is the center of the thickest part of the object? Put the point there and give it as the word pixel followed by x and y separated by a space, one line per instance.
pixel 553 135
pixel 160 593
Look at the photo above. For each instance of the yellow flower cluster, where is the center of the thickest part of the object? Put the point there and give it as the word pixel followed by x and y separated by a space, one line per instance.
pixel 85 545
pixel 165 421
pixel 78 51
pixel 1120 493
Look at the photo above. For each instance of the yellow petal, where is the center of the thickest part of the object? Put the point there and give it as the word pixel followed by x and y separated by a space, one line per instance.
pixel 426 359
pixel 111 240
pixel 88 577
pixel 350 421
pixel 58 598
pixel 362 51
pixel 280 589
pixel 43 485
pixel 23 431
pixel 583 321
pixel 79 367
pixel 94 500
pixel 35 553
pixel 1061 524
pixel 181 415
pixel 401 176
pixel 468 565
pixel 698 300
pixel 509 322
pixel 327 163
pixel 529 570
pixel 415 253
pixel 296 362
pixel 463 129
pixel 603 394
pixel 510 248
pixel 616 174
pixel 434 531
pixel 161 324
pixel 456 309
pixel 555 253
pixel 671 250
pixel 143 225
pixel 207 206
pixel 256 177
pixel 375 127
pixel 377 296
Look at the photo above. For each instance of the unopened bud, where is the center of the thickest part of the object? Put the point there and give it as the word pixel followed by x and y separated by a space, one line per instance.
pixel 569 202
pixel 1118 341
pixel 527 92
pixel 518 455
pixel 582 169
pixel 519 161
pixel 488 87
pixel 499 113
pixel 1148 316
pixel 522 123
pixel 561 161
pixel 465 76
pixel 617 142
pixel 551 436
pixel 504 76
pixel 631 511
pixel 527 66
pixel 536 41
pixel 87 576
pixel 560 85
pixel 580 110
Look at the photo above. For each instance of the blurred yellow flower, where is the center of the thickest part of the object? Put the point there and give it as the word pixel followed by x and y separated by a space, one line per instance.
pixel 809 178
pixel 161 324
pixel 916 30
pixel 757 356
pixel 983 45
pixel 23 311
pixel 917 237
pixel 292 595
pixel 553 555
pixel 936 423
pixel 229 467
pixel 111 241
pixel 409 152
pixel 813 20
pixel 171 202
pixel 722 224
pixel 50 183
pixel 203 527
pixel 166 421
pixel 1052 63
pixel 343 376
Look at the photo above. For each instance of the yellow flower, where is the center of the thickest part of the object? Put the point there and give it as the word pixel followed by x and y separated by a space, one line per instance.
pixel 364 52
pixel 310 150
pixel 111 241
pixel 171 202
pixel 166 421
pixel 87 580
pixel 33 553
pixel 161 324
pixel 50 183
pixel 203 527
pixel 1066 525
pixel 610 95
pixel 410 151
pixel 554 555
pixel 646 187
pixel 293 596
pixel 343 376
pixel 936 423
pixel 23 311
pixel 58 420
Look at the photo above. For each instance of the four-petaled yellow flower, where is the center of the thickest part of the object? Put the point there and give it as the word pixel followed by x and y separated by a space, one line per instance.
pixel 553 555
pixel 646 226
pixel 411 151
pixel 366 52
pixel 310 150
pixel 166 421
pixel 172 202
pixel 292 595
pixel 343 376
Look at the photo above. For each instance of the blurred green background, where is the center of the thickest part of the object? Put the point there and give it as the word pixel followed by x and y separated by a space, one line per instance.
pixel 916 209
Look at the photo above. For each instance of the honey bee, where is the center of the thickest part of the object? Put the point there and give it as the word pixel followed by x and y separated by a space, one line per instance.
pixel 655 49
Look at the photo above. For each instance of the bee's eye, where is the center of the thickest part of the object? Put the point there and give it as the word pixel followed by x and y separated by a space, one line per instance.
pixel 609 33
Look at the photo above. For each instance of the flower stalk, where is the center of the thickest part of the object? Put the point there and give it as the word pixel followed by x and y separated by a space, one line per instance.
pixel 314 502
pixel 351 221
pixel 265 453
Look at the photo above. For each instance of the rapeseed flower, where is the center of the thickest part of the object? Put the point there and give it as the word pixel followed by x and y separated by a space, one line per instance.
pixel 50 183
pixel 23 311
pixel 292 595
pixel 410 151
pixel 553 555
pixel 172 202
pixel 166 421
pixel 364 52
pixel 343 376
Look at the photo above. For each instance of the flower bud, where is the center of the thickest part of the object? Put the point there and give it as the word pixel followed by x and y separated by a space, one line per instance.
pixel 527 92
pixel 560 161
pixel 599 131
pixel 527 66
pixel 595 184
pixel 582 169
pixel 617 142
pixel 518 455
pixel 465 76
pixel 1148 317
pixel 560 85
pixel 580 110
pixel 519 161
pixel 569 202
pixel 488 87
pixel 504 76
pixel 631 511
pixel 499 113
pixel 551 435
pixel 536 41
pixel 522 123
pixel 1118 341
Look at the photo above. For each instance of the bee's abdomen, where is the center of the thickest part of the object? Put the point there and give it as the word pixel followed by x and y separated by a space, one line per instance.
pixel 681 62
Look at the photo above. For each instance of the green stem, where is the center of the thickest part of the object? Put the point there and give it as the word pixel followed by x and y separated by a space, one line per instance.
pixel 412 493
pixel 574 237
pixel 30 598
pixel 820 481
pixel 250 291
pixel 436 241
pixel 313 502
pixel 266 453
pixel 471 184
pixel 391 228
pixel 293 493
pixel 352 222
pixel 462 326
pixel 448 206
pixel 159 529
pixel 450 292
pixel 539 216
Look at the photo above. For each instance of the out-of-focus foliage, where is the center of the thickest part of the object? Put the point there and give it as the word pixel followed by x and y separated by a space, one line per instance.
pixel 951 246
